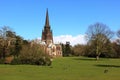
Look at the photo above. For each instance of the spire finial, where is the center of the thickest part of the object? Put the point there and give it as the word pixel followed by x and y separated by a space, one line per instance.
pixel 47 19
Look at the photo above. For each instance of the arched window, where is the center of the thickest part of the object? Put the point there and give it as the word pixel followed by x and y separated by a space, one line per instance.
pixel 53 50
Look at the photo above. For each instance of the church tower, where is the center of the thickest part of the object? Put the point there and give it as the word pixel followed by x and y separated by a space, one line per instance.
pixel 47 36
pixel 54 50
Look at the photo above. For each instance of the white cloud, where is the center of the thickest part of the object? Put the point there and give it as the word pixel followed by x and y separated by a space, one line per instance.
pixel 79 39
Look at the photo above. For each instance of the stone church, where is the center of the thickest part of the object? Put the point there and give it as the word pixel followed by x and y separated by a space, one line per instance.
pixel 54 50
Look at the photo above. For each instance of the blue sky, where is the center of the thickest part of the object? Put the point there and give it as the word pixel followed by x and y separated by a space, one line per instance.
pixel 67 17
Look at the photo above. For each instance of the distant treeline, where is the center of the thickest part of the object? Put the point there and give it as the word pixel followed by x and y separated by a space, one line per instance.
pixel 15 50
pixel 100 43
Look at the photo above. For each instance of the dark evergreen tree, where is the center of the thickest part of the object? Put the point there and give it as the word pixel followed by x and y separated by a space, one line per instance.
pixel 18 46
pixel 67 49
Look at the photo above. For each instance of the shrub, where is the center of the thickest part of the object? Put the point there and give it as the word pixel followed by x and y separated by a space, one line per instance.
pixel 16 61
pixel 2 61
pixel 48 61
pixel 41 61
pixel 34 55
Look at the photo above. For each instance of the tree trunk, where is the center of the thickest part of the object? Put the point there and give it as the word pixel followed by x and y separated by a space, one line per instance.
pixel 4 53
pixel 97 57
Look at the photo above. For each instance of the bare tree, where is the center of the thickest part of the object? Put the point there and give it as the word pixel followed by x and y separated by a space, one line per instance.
pixel 6 37
pixel 98 34
pixel 118 34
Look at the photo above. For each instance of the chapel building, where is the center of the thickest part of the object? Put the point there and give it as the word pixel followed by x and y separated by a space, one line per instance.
pixel 54 50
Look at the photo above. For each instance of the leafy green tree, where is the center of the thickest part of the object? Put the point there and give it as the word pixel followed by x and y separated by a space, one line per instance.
pixel 68 51
pixel 99 36
pixel 63 49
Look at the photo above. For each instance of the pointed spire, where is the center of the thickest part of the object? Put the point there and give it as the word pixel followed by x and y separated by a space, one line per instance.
pixel 47 19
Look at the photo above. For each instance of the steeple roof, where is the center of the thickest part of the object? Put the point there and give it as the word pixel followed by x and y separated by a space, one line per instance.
pixel 47 36
pixel 47 19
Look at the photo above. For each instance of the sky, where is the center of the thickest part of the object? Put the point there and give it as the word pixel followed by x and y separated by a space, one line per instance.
pixel 69 19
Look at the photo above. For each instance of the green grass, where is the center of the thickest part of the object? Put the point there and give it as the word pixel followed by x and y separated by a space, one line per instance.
pixel 72 68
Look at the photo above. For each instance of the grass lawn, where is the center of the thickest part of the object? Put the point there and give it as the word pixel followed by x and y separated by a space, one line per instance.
pixel 65 68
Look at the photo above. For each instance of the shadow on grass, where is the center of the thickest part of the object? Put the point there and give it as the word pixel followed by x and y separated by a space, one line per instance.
pixel 85 59
pixel 105 65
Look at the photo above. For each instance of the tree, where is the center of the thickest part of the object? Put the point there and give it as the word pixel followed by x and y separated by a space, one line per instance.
pixel 79 50
pixel 34 54
pixel 63 49
pixel 116 49
pixel 66 49
pixel 118 34
pixel 7 36
pixel 99 35
pixel 17 46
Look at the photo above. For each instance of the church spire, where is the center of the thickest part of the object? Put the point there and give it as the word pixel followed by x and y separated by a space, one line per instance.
pixel 47 36
pixel 47 19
